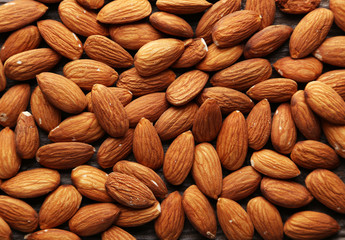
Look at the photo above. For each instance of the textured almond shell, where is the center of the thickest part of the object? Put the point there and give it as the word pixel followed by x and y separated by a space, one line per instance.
pixel 266 9
pixel 9 160
pixel 331 51
pixel 335 79
pixel 52 234
pixel 116 232
pixel 335 135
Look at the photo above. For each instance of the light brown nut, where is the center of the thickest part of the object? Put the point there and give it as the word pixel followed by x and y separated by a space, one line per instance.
pixel 52 234
pixel 297 6
pixel 183 7
pixel 91 4
pixel 335 79
pixel 338 9
pixel 116 232
pixel 195 50
pixel 335 135
pixel 5 230
pixel 266 9
pixel 3 81
pixel 331 51
pixel 9 160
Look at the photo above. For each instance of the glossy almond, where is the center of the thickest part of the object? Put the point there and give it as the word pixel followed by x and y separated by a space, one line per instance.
pixel 331 51
pixel 195 50
pixel 266 9
pixel 183 7
pixel 5 230
pixel 297 6
pixel 338 9
pixel 9 160
pixel 53 234
pixel 334 79
pixel 335 135
pixel 116 232
pixel 125 96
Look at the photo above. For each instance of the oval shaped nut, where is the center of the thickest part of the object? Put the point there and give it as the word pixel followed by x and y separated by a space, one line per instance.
pixel 199 212
pixel 150 106
pixel 183 7
pixel 273 164
pixel 113 150
pixel 306 121
pixel 325 102
pixel 338 9
pixel 85 24
pixel 109 111
pixel 207 170
pixel 135 35
pixel 243 75
pixel 267 41
pixel 176 120
pixel 234 28
pixel 144 174
pixel 240 183
pixel 60 38
pixel 219 58
pixel 85 73
pixel 124 11
pixel 91 4
pixel 9 160
pixel 232 141
pixel 228 99
pixel 24 39
pixel 335 135
pixel 64 155
pixel 52 234
pixel 297 7
pixel 275 90
pixel 47 117
pixel 170 223
pixel 266 218
pixel 90 182
pixel 3 81
pixel 116 232
pixel 166 50
pixel 26 65
pixel 18 214
pixel 334 79
pixel 186 87
pixel 327 188
pixel 207 121
pixel 331 51
pixel 312 154
pixel 171 24
pixel 310 32
pixel 179 158
pixel 283 132
pixel 286 194
pixel 147 146
pixel 234 220
pixel 310 225
pixel 93 218
pixel 195 50
pixel 5 230
pixel 32 183
pixel 62 92
pixel 266 9
pixel 28 12
pixel 105 50
pixel 139 86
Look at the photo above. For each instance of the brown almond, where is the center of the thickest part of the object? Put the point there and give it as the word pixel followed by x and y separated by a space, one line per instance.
pixel 183 7
pixel 52 234
pixel 91 4
pixel 195 50
pixel 116 232
pixel 297 6
pixel 334 79
pixel 331 51
pixel 338 8
pixel 335 135
pixel 5 230
pixel 266 9
pixel 9 160
pixel 3 81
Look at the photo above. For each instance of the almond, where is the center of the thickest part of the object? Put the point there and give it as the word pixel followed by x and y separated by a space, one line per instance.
pixel 310 225
pixel 116 232
pixel 22 40
pixel 234 220
pixel 147 147
pixel 91 4
pixel 32 183
pixel 93 218
pixel 5 230
pixel 232 141
pixel 26 65
pixel 109 111
pixel 312 154
pixel 266 9
pixel 266 218
pixel 274 165
pixel 64 155
pixel 103 49
pixel 275 90
pixel 331 51
pixel 327 188
pixel 60 38
pixel 243 75
pixel 90 182
pixel 199 212
pixel 338 9
pixel 207 170
pixel 240 183
pixel 335 135
pixel 310 32
pixel 179 158
pixel 167 50
pixel 80 128
pixel 334 79
pixel 232 29
pixel 80 20
pixel 283 132
pixel 306 121
pixel 176 120
pixel 183 7
pixel 52 234
pixel 144 174
pixel 59 206
pixel 62 92
pixel 195 50
pixel 9 160
pixel 297 6
pixel 170 223
pixel 3 81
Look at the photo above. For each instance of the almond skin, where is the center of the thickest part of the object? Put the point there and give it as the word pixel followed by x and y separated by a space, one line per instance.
pixel 338 9
pixel 116 232
pixel 266 9
pixel 5 230
pixel 169 224
pixel 59 206
pixel 199 212
pixel 335 135
pixel 335 80
pixel 179 158
pixel 266 218
pixel 9 160
pixel 183 7
pixel 273 164
pixel 3 81
pixel 195 49
pixel 234 220
pixel 297 6
pixel 53 234
pixel 331 51
pixel 91 4
pixel 327 188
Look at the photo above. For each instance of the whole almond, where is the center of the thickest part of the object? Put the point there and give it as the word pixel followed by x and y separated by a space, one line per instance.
pixel 331 51
pixel 91 4
pixel 183 7
pixel 52 234
pixel 3 81
pixel 199 212
pixel 195 50
pixel 335 135
pixel 334 79
pixel 266 9
pixel 274 165
pixel 5 230
pixel 9 160
pixel 170 223
pixel 179 158
pixel 297 6
pixel 232 141
pixel 116 232
pixel 338 9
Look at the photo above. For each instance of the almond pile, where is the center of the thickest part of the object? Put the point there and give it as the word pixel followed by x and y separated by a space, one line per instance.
pixel 137 78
